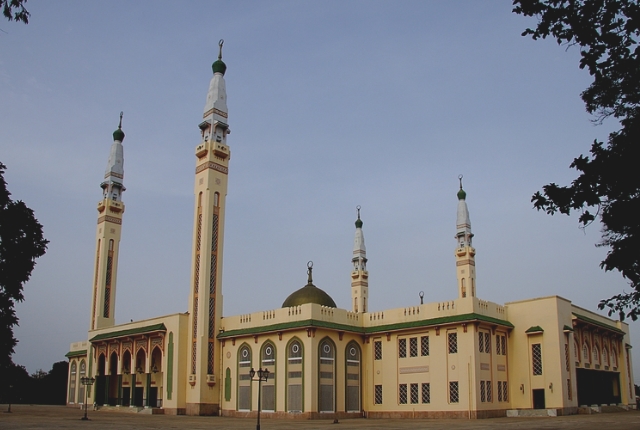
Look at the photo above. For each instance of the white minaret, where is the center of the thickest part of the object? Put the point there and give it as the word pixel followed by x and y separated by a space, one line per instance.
pixel 110 210
pixel 359 275
pixel 465 253
pixel 205 299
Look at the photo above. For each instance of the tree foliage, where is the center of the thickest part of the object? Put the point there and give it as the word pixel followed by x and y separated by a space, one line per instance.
pixel 21 242
pixel 15 10
pixel 608 186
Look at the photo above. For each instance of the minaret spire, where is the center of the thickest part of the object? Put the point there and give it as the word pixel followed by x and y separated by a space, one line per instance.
pixel 205 300
pixel 359 275
pixel 465 253
pixel 109 229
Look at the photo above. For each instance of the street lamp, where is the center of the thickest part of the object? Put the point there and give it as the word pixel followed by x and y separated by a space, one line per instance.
pixel 9 410
pixel 87 382
pixel 262 376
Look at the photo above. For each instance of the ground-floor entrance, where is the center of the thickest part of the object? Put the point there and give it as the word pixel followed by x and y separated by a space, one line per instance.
pixel 597 387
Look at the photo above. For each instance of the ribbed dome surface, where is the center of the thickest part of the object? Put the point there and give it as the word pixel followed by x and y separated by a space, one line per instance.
pixel 309 294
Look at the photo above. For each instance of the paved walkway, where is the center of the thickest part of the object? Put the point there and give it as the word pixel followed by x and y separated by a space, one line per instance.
pixel 60 417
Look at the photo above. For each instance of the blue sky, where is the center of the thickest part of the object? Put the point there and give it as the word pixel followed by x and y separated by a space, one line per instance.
pixel 331 105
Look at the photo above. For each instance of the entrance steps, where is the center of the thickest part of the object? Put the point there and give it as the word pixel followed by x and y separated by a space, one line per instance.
pixel 600 409
pixel 126 409
pixel 532 412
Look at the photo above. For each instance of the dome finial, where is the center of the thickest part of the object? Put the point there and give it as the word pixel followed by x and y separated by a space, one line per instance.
pixel 220 43
pixel 119 134
pixel 358 221
pixel 309 272
pixel 461 194
pixel 218 66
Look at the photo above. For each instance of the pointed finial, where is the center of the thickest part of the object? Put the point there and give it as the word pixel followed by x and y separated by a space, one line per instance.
pixel 309 272
pixel 461 194
pixel 358 221
pixel 220 43
pixel 218 66
pixel 119 134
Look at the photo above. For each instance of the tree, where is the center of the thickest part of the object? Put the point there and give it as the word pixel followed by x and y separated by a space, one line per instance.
pixel 608 187
pixel 14 10
pixel 21 242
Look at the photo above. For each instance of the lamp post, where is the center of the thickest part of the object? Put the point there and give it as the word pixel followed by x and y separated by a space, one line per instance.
pixel 87 382
pixel 9 410
pixel 263 375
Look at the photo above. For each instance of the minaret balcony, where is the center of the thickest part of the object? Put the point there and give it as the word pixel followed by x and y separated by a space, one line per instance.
pixel 201 150
pixel 102 205
pixel 114 206
pixel 221 151
pixel 461 252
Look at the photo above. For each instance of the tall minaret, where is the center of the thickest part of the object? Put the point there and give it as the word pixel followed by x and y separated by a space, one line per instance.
pixel 110 210
pixel 359 275
pixel 465 253
pixel 205 299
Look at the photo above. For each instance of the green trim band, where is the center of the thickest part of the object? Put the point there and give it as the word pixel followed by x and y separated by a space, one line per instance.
pixel 363 330
pixel 598 323
pixel 534 329
pixel 130 332
pixel 71 354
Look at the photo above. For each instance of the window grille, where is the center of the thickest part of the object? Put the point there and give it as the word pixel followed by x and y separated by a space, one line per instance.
pixel 377 396
pixel 499 391
pixel 414 393
pixel 487 343
pixel 424 346
pixel 268 355
pixel 503 341
pixel 295 353
pixel 295 374
pixel 453 343
pixel 481 342
pixel 483 392
pixel 536 358
pixel 505 391
pixel 377 347
pixel 596 357
pixel 402 394
pixel 569 393
pixel 605 357
pixel 454 395
pixel 426 392
pixel 244 398
pixel 402 348
pixel 498 351
pixel 489 392
pixel 268 397
pixel 585 352
pixel 413 347
pixel 566 356
pixel 294 398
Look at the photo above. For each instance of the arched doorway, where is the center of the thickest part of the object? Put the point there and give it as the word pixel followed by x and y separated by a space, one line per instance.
pixel 155 387
pixel 326 376
pixel 352 395
pixel 113 379
pixel 138 389
pixel 126 378
pixel 100 381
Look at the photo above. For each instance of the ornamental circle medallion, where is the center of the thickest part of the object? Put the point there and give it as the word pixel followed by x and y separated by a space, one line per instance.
pixel 245 353
pixel 295 348
pixel 228 354
pixel 352 351
pixel 268 350
pixel 453 367
pixel 218 181
pixel 326 349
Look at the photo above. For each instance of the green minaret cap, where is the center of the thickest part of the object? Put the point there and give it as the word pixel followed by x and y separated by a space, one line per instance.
pixel 358 221
pixel 119 134
pixel 218 66
pixel 461 194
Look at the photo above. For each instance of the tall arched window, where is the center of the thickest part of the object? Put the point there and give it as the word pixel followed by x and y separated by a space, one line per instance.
pixel 352 394
pixel 596 355
pixel 605 356
pixel 614 357
pixel 326 376
pixel 72 383
pixel 585 352
pixel 83 373
pixel 294 376
pixel 268 361
pixel 463 288
pixel 244 379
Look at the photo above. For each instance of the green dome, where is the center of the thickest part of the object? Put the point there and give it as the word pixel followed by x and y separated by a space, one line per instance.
pixel 219 67
pixel 309 294
pixel 118 135
pixel 359 223
pixel 461 194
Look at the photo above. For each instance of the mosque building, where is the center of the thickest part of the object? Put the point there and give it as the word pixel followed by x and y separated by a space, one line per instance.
pixel 465 357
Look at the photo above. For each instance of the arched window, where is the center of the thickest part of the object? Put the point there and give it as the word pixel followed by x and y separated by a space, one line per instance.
pixel 585 352
pixel 327 376
pixel 216 199
pixel 614 357
pixel 575 350
pixel 244 379
pixel 268 361
pixel 463 287
pixel 605 356
pixel 83 373
pixel 596 356
pixel 353 372
pixel 72 382
pixel 295 377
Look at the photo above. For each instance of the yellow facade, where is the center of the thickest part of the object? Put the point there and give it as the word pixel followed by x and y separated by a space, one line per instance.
pixel 465 358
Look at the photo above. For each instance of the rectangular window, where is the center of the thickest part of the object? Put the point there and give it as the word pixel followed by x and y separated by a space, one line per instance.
pixel 424 345
pixel 377 348
pixel 499 391
pixel 498 352
pixel 454 396
pixel 402 394
pixel 505 391
pixel 489 392
pixel 566 356
pixel 377 395
pixel 402 348
pixel 426 392
pixel 481 342
pixel 536 358
pixel 569 393
pixel 413 347
pixel 487 343
pixel 503 341
pixel 483 392
pixel 414 393
pixel 453 343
